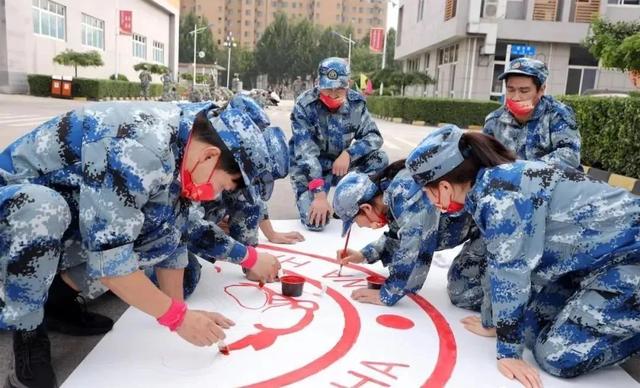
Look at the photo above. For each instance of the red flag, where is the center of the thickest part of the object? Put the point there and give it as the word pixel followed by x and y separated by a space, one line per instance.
pixel 376 39
pixel 126 22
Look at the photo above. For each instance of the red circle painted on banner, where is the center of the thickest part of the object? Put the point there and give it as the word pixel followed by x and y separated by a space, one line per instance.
pixel 393 321
pixel 447 352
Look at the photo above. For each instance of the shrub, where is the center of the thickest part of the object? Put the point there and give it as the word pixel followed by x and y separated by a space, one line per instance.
pixel 39 85
pixel 121 77
pixel 607 143
pixel 433 110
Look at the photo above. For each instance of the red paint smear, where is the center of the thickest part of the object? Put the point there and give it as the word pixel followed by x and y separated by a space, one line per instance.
pixel 395 322
pixel 268 336
pixel 225 350
pixel 217 268
pixel 448 350
pixel 339 350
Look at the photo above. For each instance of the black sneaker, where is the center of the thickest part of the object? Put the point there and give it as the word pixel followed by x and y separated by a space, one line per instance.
pixel 31 363
pixel 66 312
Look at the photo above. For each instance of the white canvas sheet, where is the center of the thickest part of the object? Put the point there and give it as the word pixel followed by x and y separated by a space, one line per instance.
pixel 319 339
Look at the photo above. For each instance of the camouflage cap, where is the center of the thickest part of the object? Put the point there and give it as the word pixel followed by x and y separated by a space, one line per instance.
pixel 279 150
pixel 527 66
pixel 334 73
pixel 436 155
pixel 251 108
pixel 248 146
pixel 352 191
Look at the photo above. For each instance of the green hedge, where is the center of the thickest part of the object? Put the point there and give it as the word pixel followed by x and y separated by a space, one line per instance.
pixel 93 89
pixel 39 85
pixel 610 129
pixel 433 110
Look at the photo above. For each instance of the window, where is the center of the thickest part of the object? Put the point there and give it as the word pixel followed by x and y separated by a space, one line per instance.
pixel 139 46
pixel 92 32
pixel 427 61
pixel 580 79
pixel 450 9
pixel 49 18
pixel 399 32
pixel 448 55
pixel 452 81
pixel 158 52
pixel 624 2
pixel 420 9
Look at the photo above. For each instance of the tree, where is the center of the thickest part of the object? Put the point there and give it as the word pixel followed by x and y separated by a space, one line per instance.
pixel 395 77
pixel 273 50
pixel 205 41
pixel 153 68
pixel 75 59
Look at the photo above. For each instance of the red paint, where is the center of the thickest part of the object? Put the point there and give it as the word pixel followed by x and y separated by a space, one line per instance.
pixel 225 350
pixel 217 268
pixel 395 322
pixel 226 291
pixel 447 350
pixel 340 349
pixel 292 261
pixel 292 279
pixel 388 367
pixel 261 284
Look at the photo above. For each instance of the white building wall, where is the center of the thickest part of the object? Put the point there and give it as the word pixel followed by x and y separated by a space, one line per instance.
pixel 29 53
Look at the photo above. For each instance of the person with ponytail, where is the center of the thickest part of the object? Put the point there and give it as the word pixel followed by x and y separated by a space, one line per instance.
pixel 563 253
pixel 333 133
pixel 416 229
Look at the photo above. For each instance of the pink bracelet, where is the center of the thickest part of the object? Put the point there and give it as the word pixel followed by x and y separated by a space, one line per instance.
pixel 316 183
pixel 252 258
pixel 174 316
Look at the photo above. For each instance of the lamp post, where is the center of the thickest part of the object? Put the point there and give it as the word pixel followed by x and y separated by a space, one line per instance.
pixel 195 32
pixel 229 43
pixel 347 40
pixel 384 48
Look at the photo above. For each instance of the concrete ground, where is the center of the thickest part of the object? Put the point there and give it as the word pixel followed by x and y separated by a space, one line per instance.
pixel 20 114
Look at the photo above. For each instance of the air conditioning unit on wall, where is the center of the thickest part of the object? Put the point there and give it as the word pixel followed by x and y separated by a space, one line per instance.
pixel 494 9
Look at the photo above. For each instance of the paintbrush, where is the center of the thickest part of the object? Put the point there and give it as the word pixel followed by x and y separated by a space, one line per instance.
pixel 344 251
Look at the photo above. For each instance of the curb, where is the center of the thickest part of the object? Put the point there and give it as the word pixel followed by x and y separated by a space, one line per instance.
pixel 615 180
pixel 420 123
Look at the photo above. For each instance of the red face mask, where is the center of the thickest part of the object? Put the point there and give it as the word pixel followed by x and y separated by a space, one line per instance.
pixel 196 192
pixel 455 207
pixel 518 108
pixel 332 104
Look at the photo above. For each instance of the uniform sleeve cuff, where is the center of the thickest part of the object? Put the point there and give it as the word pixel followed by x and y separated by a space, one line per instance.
pixel 117 261
pixel 252 258
pixel 316 184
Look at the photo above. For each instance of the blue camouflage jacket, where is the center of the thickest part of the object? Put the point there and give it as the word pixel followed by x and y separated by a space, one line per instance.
pixel 416 230
pixel 117 166
pixel 551 135
pixel 320 136
pixel 541 223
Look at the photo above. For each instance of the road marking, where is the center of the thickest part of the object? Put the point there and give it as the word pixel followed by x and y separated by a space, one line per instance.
pixel 38 119
pixel 391 145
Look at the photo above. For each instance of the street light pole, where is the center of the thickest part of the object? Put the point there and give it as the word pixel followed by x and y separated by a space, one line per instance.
pixel 195 32
pixel 229 43
pixel 384 48
pixel 347 40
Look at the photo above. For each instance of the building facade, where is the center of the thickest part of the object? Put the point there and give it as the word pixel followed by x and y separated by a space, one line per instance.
pixel 463 43
pixel 247 20
pixel 32 32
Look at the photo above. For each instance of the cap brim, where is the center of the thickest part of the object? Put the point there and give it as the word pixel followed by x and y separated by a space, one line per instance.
pixel 346 225
pixel 340 83
pixel 516 72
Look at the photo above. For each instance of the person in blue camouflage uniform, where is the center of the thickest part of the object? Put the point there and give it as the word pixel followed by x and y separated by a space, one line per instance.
pixel 534 127
pixel 231 219
pixel 101 192
pixel 333 134
pixel 563 252
pixel 416 229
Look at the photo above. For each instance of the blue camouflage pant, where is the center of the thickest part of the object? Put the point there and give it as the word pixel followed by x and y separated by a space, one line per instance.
pixel 597 326
pixel 33 219
pixel 370 164
pixel 464 279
